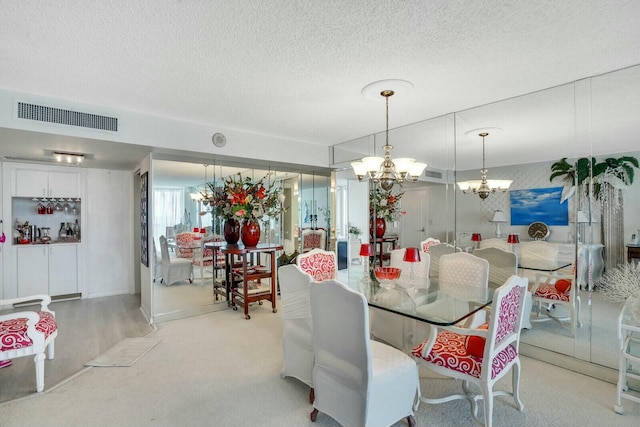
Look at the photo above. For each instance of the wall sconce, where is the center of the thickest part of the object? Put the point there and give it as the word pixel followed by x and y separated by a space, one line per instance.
pixel 71 158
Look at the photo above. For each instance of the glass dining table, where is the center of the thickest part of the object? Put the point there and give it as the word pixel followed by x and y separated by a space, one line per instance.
pixel 428 300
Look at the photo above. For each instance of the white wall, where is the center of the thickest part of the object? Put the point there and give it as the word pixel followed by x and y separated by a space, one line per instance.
pixel 107 233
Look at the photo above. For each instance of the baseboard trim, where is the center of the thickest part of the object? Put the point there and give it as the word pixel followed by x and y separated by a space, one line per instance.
pixel 584 367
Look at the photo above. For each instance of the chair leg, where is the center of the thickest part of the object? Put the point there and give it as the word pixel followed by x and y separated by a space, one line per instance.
pixel 515 385
pixel 39 361
pixel 312 395
pixel 488 405
pixel 314 415
pixel 411 421
pixel 51 350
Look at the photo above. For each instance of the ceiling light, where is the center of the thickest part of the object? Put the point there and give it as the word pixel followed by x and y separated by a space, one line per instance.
pixel 483 187
pixel 72 158
pixel 383 170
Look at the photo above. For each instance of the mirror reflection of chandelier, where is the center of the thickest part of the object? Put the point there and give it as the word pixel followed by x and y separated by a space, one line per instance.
pixel 483 187
pixel 202 196
pixel 383 170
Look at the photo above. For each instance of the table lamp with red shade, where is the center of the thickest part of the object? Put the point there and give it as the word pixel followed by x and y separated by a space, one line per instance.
pixel 411 255
pixel 366 251
pixel 476 238
pixel 513 240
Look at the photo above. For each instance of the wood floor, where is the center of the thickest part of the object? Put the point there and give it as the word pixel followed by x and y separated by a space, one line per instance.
pixel 86 328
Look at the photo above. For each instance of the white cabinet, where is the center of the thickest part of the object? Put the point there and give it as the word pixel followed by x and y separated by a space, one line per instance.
pixel 47 269
pixel 42 183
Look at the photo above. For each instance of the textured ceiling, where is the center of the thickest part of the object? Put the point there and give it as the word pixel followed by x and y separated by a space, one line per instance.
pixel 295 68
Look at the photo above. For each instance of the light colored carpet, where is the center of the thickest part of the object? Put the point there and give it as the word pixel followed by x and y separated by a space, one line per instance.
pixel 218 369
pixel 126 353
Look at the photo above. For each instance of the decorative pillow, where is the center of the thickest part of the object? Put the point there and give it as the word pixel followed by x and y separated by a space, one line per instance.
pixel 475 344
pixel 563 285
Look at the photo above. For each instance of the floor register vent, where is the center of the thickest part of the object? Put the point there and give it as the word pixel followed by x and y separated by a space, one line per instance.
pixel 42 113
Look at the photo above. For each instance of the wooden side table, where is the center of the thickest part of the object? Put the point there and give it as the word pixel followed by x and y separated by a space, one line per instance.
pixel 633 251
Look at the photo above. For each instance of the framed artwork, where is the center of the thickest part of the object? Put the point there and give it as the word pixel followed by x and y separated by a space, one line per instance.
pixel 144 219
pixel 539 204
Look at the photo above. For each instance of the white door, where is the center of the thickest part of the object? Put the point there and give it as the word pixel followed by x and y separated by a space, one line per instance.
pixel 414 222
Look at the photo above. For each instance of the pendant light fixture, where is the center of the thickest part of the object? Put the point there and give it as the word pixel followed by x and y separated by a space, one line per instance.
pixel 384 170
pixel 483 187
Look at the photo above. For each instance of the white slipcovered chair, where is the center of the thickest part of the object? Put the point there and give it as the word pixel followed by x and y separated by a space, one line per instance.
pixel 320 264
pixel 297 328
pixel 537 254
pixel 481 356
pixel 27 333
pixel 358 382
pixel 174 269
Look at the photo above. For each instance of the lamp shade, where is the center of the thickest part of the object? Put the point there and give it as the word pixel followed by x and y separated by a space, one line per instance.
pixel 411 255
pixel 476 237
pixel 498 216
pixel 196 230
pixel 366 249
pixel 203 231
pixel 513 239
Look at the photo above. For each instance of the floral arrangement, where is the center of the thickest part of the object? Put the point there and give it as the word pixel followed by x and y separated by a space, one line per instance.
pixel 241 198
pixel 354 230
pixel 385 203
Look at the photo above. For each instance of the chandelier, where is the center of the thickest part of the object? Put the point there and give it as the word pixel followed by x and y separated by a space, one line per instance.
pixel 383 170
pixel 202 196
pixel 483 187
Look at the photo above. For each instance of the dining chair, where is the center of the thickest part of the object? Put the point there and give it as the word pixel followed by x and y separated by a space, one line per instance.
pixel 320 264
pixel 174 269
pixel 426 244
pixel 537 253
pixel 494 242
pixel 502 265
pixel 435 252
pixel 552 292
pixel 185 244
pixel 480 356
pixel 297 328
pixel 203 257
pixel 313 239
pixel 28 333
pixel 463 268
pixel 358 382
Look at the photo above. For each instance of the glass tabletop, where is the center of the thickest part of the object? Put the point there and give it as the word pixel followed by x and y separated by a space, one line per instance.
pixel 428 300
pixel 542 265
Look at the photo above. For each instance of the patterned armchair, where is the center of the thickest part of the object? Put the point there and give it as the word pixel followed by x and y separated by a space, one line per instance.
pixel 320 264
pixel 313 239
pixel 27 333
pixel 480 356
pixel 186 242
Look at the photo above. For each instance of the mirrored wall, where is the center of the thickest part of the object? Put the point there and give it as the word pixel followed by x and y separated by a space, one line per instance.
pixel 181 210
pixel 590 119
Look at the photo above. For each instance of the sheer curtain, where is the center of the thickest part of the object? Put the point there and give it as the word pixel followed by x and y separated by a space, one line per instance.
pixel 168 209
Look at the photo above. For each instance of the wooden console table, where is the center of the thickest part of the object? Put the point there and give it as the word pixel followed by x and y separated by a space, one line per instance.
pixel 246 272
pixel 633 251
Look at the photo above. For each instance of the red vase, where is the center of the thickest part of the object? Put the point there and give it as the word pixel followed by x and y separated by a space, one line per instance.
pixel 250 232
pixel 231 231
pixel 381 227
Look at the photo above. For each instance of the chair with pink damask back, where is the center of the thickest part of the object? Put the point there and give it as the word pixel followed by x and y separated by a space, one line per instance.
pixel 320 264
pixel 313 239
pixel 425 244
pixel 480 356
pixel 186 242
pixel 28 333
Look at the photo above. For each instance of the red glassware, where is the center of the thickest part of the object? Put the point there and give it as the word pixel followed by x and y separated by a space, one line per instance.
pixel 476 237
pixel 513 239
pixel 203 231
pixel 411 255
pixel 366 249
pixel 250 233
pixel 387 273
pixel 196 229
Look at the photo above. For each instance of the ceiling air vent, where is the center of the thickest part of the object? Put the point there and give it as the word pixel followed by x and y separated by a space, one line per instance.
pixel 42 113
pixel 433 174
